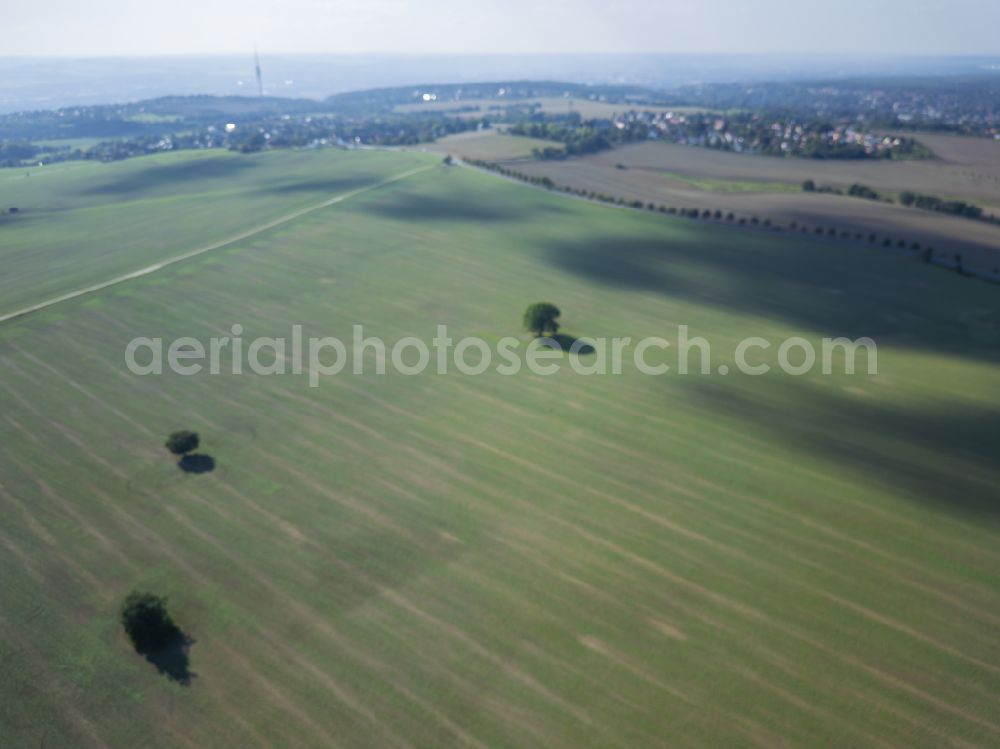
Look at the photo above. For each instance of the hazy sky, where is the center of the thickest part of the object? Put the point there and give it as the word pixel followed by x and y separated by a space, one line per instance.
pixel 137 27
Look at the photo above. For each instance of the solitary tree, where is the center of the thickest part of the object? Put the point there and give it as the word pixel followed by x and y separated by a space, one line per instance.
pixel 182 442
pixel 147 623
pixel 809 186
pixel 540 318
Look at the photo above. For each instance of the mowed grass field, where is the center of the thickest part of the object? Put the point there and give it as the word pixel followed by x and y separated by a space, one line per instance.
pixel 489 561
pixel 81 223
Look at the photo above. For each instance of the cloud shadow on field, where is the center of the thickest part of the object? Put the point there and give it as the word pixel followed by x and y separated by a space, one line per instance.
pixel 832 289
pixel 167 175
pixel 413 206
pixel 943 455
pixel 333 186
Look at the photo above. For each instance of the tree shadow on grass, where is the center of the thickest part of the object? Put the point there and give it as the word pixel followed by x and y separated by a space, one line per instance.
pixel 197 463
pixel 173 661
pixel 564 342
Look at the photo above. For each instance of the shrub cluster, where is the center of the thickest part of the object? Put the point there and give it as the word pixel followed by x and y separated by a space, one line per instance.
pixel 953 207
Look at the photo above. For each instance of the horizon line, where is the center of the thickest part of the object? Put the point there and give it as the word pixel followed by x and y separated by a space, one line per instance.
pixel 605 53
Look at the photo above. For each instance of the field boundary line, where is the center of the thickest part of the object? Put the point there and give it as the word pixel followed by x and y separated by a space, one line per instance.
pixel 214 246
pixel 776 230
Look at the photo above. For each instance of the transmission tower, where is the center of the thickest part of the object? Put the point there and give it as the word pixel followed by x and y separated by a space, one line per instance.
pixel 256 67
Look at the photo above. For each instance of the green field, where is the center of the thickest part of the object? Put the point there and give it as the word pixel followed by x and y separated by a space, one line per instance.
pixel 445 561
pixel 728 185
pixel 491 145
pixel 80 224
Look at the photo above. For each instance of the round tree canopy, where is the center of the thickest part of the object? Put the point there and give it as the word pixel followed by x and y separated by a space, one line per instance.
pixel 147 623
pixel 540 318
pixel 182 442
